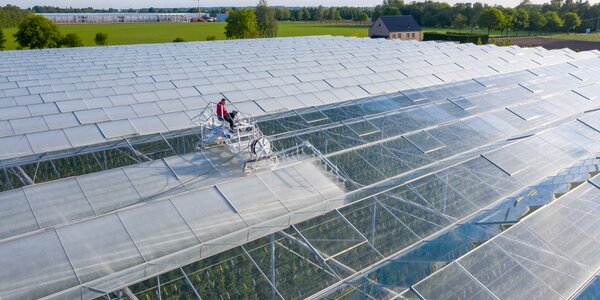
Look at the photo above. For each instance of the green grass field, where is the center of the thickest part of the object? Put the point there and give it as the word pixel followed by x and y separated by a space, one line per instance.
pixel 143 33
pixel 594 37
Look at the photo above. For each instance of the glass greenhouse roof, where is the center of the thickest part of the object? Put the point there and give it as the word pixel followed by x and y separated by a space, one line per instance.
pixel 456 156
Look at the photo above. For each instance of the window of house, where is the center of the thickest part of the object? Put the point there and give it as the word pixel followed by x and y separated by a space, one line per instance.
pixel 413 35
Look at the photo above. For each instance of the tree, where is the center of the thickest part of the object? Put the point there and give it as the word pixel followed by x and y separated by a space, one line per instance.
pixel 320 14
pixel 554 22
pixel 537 21
pixel 364 17
pixel 178 40
pixel 211 37
pixel 520 20
pixel 11 16
pixel 265 20
pixel 37 32
pixel 459 22
pixel 101 39
pixel 572 21
pixel 508 22
pixel 306 15
pixel 2 39
pixel 282 13
pixel 337 16
pixel 72 40
pixel 475 14
pixel 491 18
pixel 241 24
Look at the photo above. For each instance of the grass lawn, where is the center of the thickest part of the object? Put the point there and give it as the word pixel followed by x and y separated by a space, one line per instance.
pixel 143 33
pixel 593 37
pixel 495 34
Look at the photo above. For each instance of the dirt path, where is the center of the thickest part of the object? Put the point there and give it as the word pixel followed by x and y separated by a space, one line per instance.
pixel 549 43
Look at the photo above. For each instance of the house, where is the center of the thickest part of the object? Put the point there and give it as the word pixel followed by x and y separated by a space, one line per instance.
pixel 396 27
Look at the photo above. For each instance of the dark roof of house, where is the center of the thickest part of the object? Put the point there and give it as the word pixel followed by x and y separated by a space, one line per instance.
pixel 400 23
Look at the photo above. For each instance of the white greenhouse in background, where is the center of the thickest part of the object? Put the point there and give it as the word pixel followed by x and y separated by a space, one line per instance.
pixel 70 18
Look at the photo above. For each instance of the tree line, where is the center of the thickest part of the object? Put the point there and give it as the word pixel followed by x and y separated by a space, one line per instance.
pixel 556 15
pixel 38 32
pixel 251 23
pixel 261 21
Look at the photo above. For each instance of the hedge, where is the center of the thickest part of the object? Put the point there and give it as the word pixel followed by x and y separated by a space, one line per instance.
pixel 456 36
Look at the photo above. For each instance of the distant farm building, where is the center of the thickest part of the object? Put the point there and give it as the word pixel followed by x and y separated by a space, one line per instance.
pixel 68 18
pixel 396 27
pixel 221 17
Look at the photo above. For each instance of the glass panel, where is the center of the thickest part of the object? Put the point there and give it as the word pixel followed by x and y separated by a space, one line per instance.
pixel 298 273
pixel 155 149
pixel 157 229
pixel 442 197
pixel 174 285
pixel 362 128
pixel 322 142
pixel 116 129
pixel 292 187
pixel 384 231
pixel 408 153
pixel 213 218
pixel 75 165
pixel 506 161
pixel 345 137
pixel 84 135
pixel 16 216
pixel 152 179
pixel 384 161
pixel 147 289
pixel 469 185
pixel 422 220
pixel 229 275
pixel 116 157
pixel 106 248
pixel 359 257
pixel 592 120
pixel 184 144
pixel 48 141
pixel 424 141
pixel 356 168
pixel 330 234
pixel 41 171
pixel 463 103
pixel 247 193
pixel 34 266
pixel 361 289
pixel 503 276
pixel 314 117
pixel 559 273
pixel 452 283
pixel 57 203
pixel 108 190
pixel 405 122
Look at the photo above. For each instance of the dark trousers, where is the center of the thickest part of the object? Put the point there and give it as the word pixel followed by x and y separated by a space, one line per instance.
pixel 229 118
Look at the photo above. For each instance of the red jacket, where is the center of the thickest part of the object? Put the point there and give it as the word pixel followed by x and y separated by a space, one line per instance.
pixel 221 110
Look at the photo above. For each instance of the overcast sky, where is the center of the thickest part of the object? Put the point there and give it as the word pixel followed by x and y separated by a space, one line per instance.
pixel 193 3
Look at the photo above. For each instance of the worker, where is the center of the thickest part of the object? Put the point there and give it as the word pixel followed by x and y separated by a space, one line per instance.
pixel 224 115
